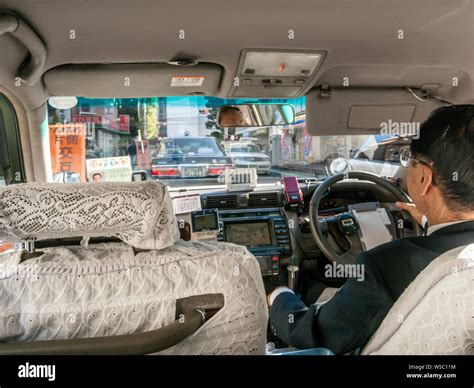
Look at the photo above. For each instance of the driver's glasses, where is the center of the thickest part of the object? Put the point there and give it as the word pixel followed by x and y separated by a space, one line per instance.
pixel 405 156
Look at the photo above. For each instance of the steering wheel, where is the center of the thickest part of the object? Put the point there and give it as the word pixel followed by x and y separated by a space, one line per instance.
pixel 347 239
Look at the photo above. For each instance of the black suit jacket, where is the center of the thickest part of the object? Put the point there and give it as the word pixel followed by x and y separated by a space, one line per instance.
pixel 348 320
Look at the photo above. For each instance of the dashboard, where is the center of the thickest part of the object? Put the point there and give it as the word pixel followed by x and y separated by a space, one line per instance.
pixel 274 230
pixel 338 201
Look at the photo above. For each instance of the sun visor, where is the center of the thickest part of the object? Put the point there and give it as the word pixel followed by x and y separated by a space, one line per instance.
pixel 133 80
pixel 363 111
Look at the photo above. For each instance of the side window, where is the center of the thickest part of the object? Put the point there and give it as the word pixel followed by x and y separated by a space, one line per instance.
pixel 11 160
pixel 393 154
pixel 379 154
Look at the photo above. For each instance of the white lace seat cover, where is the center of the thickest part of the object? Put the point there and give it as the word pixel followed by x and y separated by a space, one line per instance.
pixel 107 290
pixel 139 213
pixel 435 314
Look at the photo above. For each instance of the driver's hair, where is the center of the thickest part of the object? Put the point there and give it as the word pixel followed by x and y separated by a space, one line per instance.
pixel 447 140
pixel 230 108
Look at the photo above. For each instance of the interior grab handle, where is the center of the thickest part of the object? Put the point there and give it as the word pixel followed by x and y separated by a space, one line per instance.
pixel 130 344
pixel 32 71
pixel 191 313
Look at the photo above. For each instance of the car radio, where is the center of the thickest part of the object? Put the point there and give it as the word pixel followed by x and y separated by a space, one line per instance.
pixel 264 232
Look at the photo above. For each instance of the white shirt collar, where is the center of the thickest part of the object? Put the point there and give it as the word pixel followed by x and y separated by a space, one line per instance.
pixel 434 228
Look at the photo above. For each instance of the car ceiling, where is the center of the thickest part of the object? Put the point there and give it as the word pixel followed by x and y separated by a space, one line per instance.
pixel 359 38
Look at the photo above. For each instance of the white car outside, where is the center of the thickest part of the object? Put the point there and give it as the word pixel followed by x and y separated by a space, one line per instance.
pixel 246 155
pixel 380 154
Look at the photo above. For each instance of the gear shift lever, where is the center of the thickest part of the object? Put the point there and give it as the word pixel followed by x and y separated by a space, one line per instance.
pixel 292 276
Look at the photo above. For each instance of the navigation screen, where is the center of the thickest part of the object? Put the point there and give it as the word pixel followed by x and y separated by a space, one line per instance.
pixel 251 234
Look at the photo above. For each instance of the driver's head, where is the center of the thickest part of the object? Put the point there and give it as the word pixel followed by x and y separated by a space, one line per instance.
pixel 440 174
pixel 231 116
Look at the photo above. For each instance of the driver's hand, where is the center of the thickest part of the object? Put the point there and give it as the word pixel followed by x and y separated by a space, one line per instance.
pixel 411 208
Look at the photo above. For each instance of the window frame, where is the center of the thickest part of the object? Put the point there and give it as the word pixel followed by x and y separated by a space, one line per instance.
pixel 11 155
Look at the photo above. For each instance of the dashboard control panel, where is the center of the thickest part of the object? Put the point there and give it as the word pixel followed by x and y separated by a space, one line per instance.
pixel 265 233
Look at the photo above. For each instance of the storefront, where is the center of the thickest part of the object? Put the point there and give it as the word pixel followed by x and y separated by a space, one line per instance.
pixel 296 143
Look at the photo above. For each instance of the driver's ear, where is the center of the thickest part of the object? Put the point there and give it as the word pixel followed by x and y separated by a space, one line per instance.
pixel 425 179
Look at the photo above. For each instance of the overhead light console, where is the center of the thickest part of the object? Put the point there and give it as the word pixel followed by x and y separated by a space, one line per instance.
pixel 267 73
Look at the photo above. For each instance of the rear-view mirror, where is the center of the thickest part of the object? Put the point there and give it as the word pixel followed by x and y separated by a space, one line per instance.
pixel 255 115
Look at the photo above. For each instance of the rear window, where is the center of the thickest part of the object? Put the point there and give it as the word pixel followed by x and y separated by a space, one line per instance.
pixel 190 146
pixel 245 148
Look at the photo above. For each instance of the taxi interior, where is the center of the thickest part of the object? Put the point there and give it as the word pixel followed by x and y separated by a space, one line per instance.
pixel 372 62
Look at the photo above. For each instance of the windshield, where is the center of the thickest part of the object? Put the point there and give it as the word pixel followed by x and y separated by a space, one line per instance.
pixel 177 140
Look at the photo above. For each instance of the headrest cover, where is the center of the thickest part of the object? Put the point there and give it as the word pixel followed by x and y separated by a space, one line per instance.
pixel 138 213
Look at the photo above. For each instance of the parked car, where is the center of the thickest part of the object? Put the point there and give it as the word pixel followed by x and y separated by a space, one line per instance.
pixel 189 157
pixel 249 155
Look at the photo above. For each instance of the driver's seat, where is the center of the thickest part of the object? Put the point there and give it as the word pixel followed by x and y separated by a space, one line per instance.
pixel 435 313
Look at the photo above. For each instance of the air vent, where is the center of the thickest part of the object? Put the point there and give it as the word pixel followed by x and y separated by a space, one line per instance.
pixel 258 200
pixel 222 202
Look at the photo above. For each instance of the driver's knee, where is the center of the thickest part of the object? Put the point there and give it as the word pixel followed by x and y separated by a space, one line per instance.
pixel 312 292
